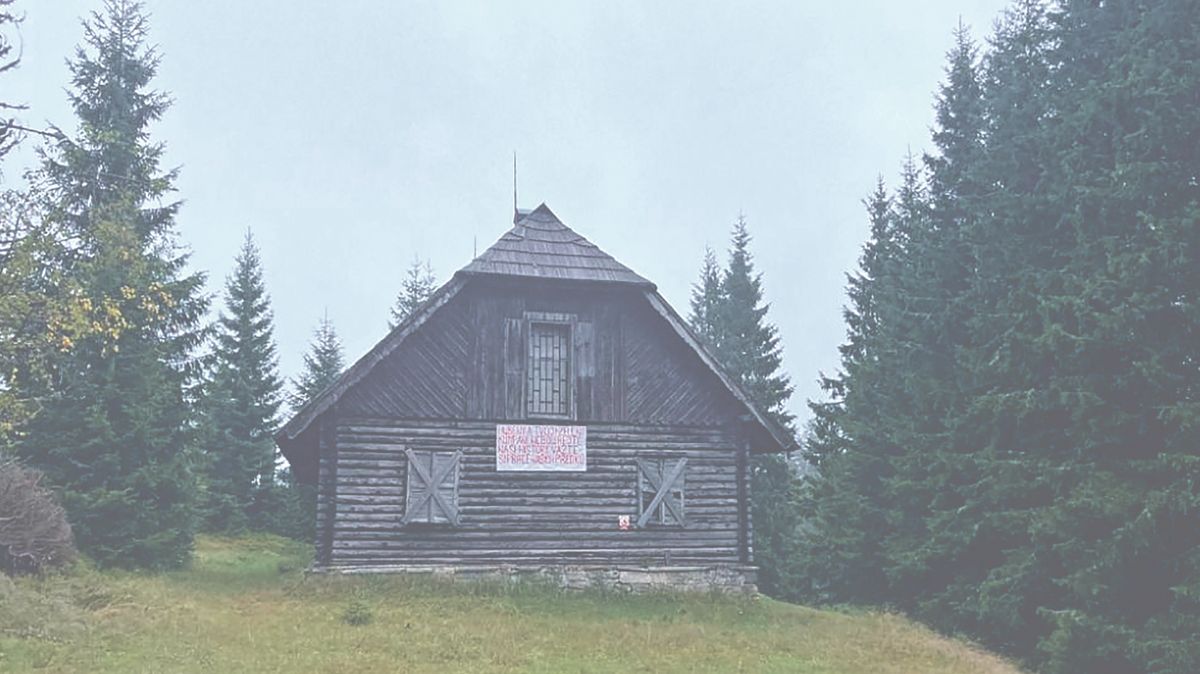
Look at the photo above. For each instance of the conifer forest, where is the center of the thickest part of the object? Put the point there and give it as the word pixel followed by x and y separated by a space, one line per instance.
pixel 1007 452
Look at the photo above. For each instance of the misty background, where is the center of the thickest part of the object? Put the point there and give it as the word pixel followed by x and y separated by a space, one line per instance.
pixel 350 138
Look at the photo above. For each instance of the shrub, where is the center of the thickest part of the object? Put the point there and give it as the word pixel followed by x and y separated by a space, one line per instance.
pixel 357 613
pixel 34 532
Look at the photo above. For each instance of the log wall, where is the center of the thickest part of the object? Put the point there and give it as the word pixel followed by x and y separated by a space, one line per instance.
pixel 326 487
pixel 533 518
pixel 640 390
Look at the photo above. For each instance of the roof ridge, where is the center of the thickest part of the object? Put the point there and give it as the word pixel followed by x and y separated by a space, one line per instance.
pixel 541 245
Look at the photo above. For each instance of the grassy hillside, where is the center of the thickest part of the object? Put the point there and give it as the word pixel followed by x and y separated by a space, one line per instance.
pixel 246 606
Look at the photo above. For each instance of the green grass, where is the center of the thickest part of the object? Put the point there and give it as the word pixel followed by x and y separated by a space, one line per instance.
pixel 245 605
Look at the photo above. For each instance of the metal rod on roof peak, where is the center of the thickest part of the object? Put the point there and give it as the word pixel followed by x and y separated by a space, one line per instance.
pixel 514 185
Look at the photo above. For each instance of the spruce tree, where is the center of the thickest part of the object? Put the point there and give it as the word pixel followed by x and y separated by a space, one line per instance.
pixel 958 132
pixel 745 342
pixel 292 506
pixel 1006 433
pixel 419 284
pixel 729 314
pixel 1116 343
pixel 115 433
pixel 901 486
pixel 706 299
pixel 10 135
pixel 934 311
pixel 1024 412
pixel 286 508
pixel 323 364
pixel 244 393
pixel 842 543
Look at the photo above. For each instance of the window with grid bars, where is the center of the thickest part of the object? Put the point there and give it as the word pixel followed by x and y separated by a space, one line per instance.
pixel 548 379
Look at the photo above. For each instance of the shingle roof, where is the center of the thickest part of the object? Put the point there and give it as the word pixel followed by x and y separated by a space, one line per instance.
pixel 540 246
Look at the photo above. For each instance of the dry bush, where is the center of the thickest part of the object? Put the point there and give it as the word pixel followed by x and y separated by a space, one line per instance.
pixel 34 533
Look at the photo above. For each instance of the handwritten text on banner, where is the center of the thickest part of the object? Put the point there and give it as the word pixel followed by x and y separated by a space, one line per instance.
pixel 547 448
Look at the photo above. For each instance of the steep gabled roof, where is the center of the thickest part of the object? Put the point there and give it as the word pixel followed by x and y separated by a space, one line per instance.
pixel 355 373
pixel 774 432
pixel 540 246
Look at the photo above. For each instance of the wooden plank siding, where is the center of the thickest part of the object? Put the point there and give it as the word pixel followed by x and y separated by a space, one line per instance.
pixel 425 376
pixel 641 392
pixel 665 382
pixel 467 362
pixel 534 518
pixel 642 384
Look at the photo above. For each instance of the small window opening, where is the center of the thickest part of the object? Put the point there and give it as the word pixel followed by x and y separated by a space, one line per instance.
pixel 548 380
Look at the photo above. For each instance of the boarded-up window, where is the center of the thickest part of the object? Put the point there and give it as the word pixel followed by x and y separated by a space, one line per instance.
pixel 548 375
pixel 432 487
pixel 660 491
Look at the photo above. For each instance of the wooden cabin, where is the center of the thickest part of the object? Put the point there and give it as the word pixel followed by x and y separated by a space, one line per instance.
pixel 546 412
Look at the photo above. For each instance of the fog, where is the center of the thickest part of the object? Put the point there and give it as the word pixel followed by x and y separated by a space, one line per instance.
pixel 352 137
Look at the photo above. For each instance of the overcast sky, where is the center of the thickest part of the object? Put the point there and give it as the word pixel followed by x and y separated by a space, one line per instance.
pixel 351 136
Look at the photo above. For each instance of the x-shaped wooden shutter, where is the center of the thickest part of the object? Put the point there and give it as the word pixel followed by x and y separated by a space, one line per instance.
pixel 664 477
pixel 432 487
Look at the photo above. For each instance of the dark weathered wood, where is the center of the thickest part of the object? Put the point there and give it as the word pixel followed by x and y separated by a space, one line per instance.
pixel 327 399
pixel 743 497
pixel 513 351
pixel 462 355
pixel 770 432
pixel 584 368
pixel 326 487
pixel 432 488
pixel 540 246
pixel 533 517
pixel 667 443
pixel 423 376
pixel 470 359
pixel 663 481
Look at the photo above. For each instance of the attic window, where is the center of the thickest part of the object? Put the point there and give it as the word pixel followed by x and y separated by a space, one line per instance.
pixel 548 370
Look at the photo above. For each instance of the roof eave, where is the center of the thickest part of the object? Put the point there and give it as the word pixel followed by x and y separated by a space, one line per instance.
pixel 784 440
pixel 321 402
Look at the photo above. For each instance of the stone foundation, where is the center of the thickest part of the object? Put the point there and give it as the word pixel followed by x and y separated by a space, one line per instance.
pixel 628 579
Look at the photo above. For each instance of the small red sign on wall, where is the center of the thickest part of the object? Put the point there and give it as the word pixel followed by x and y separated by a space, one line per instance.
pixel 521 447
